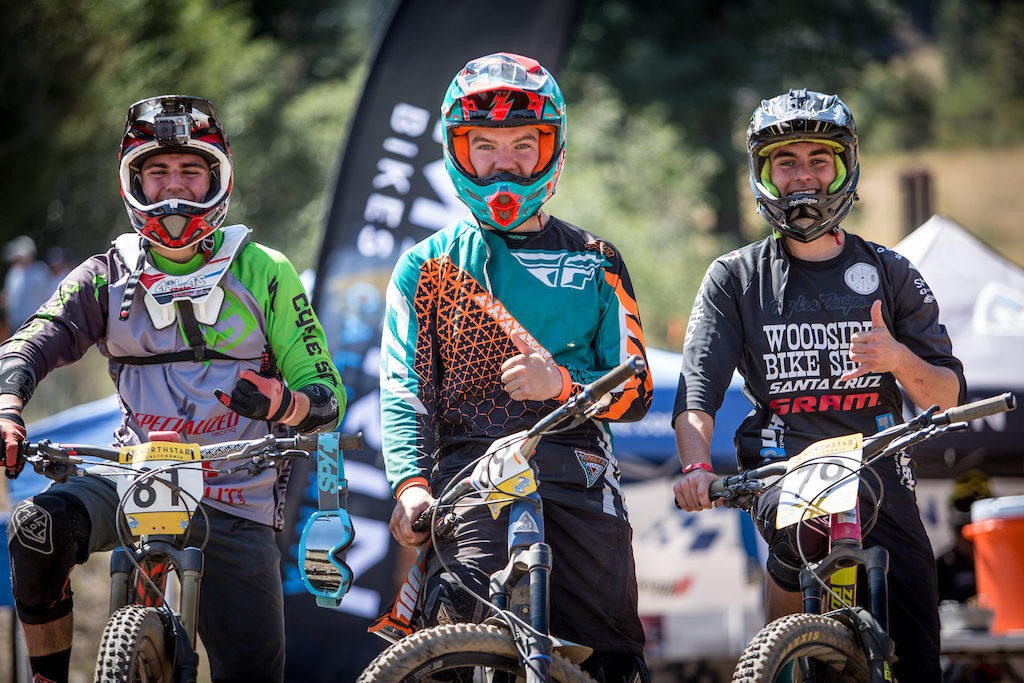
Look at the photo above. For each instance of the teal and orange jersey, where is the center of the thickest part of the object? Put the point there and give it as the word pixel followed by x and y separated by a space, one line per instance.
pixel 453 303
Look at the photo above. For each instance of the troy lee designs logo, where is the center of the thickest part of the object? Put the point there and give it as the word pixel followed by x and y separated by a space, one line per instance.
pixel 561 270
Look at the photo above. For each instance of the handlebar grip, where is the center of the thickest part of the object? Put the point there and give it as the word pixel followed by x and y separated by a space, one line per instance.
pixel 351 442
pixel 717 489
pixel 602 385
pixel 977 409
pixel 422 523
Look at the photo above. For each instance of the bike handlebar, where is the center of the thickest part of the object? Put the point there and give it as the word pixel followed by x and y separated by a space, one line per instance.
pixel 44 453
pixel 887 441
pixel 977 409
pixel 602 385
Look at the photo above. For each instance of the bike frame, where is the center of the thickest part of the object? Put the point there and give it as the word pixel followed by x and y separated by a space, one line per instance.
pixel 529 553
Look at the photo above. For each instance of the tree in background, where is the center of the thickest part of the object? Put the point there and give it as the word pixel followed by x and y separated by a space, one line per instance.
pixel 710 62
pixel 79 66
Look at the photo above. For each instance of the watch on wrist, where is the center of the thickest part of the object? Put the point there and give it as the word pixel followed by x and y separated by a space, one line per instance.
pixel 698 466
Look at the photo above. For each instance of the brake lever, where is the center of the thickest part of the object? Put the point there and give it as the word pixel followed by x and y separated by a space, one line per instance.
pixel 445 526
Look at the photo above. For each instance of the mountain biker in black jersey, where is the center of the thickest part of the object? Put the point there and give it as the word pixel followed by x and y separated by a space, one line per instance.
pixel 490 324
pixel 206 334
pixel 825 328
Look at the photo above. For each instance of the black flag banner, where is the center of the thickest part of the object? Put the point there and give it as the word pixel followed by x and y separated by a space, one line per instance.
pixel 391 190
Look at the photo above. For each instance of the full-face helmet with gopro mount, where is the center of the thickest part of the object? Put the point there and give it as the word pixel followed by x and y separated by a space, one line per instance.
pixel 803 116
pixel 503 90
pixel 174 124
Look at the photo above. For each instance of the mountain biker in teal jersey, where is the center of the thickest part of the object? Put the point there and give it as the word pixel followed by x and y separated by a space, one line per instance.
pixel 206 334
pixel 490 324
pixel 825 328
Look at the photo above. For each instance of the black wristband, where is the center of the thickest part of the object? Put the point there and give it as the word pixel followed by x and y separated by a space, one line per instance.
pixel 12 415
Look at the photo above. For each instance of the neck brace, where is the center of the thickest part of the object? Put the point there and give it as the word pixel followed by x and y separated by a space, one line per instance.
pixel 200 287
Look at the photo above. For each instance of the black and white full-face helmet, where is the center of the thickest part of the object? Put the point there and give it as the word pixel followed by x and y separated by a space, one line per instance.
pixel 174 124
pixel 803 116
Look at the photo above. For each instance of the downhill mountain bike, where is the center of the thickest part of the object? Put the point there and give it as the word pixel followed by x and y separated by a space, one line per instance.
pixel 513 644
pixel 151 633
pixel 836 638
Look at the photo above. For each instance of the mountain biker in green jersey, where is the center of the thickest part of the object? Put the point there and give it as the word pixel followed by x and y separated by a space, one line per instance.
pixel 207 334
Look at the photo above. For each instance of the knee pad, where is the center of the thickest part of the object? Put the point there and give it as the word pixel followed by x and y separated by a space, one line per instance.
pixel 46 536
pixel 444 601
pixel 785 551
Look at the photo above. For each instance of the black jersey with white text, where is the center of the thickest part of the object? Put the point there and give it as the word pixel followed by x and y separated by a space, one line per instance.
pixel 785 324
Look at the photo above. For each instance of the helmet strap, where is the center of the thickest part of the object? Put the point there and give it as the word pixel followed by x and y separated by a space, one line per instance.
pixel 133 281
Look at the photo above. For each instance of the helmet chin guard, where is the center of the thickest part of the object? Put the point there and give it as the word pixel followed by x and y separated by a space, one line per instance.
pixel 174 124
pixel 803 116
pixel 503 90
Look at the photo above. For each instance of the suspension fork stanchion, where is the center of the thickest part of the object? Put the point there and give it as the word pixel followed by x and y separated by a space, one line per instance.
pixel 120 571
pixel 526 531
pixel 191 578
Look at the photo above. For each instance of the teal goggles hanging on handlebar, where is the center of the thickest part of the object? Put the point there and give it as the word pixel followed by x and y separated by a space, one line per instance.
pixel 328 532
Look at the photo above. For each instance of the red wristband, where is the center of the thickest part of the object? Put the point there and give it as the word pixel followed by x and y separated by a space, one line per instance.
pixel 698 466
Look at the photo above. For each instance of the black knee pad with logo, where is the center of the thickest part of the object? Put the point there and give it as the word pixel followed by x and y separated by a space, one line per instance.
pixel 444 601
pixel 46 536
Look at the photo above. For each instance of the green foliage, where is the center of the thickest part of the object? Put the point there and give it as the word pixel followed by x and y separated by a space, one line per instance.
pixel 983 102
pixel 69 106
pixel 710 62
pixel 633 179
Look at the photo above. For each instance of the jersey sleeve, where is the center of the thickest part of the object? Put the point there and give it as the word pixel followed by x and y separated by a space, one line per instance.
pixel 915 321
pixel 293 329
pixel 713 344
pixel 407 390
pixel 619 337
pixel 73 319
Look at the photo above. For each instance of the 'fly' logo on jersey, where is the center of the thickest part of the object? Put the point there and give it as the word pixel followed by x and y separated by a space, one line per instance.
pixel 561 270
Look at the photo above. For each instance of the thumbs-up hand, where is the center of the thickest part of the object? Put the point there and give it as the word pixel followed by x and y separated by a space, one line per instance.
pixel 528 375
pixel 876 350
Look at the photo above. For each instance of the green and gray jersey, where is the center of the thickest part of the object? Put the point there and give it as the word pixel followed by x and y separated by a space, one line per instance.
pixel 263 302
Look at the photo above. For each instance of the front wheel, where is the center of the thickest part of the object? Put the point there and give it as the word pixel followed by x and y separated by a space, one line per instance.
pixel 803 647
pixel 134 648
pixel 460 653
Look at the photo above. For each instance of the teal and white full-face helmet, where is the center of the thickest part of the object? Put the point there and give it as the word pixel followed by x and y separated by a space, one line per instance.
pixel 803 116
pixel 503 90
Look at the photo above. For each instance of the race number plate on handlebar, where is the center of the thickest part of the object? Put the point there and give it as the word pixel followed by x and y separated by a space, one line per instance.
pixel 821 480
pixel 505 474
pixel 161 503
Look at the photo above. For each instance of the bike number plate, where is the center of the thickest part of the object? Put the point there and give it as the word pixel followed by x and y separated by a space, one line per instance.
pixel 821 480
pixel 161 503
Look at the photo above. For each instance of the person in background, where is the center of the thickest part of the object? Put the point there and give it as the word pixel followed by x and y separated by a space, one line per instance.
pixel 59 263
pixel 206 333
pixel 490 324
pixel 955 566
pixel 27 283
pixel 825 328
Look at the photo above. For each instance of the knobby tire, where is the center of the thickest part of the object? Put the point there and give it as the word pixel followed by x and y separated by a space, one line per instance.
pixel 457 653
pixel 134 648
pixel 775 652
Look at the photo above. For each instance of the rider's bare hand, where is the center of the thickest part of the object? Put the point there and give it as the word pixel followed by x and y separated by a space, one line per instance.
pixel 529 376
pixel 411 504
pixel 691 491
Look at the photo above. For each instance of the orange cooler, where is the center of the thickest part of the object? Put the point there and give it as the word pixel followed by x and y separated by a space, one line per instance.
pixel 997 529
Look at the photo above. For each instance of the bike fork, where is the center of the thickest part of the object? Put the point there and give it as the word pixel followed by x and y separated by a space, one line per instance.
pixel 530 555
